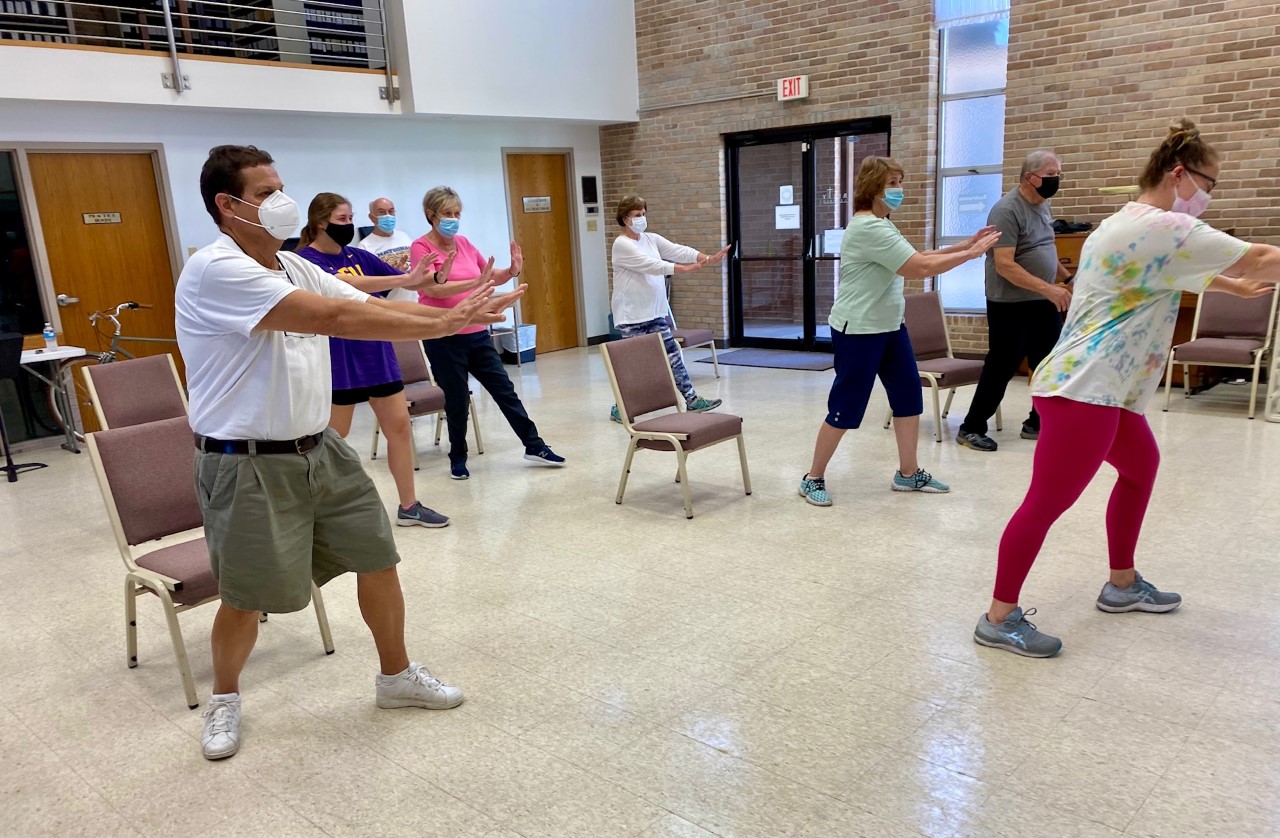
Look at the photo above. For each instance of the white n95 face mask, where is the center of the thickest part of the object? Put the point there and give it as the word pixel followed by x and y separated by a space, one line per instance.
pixel 278 213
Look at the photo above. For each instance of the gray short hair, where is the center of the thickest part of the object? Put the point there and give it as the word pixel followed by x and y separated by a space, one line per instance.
pixel 1037 160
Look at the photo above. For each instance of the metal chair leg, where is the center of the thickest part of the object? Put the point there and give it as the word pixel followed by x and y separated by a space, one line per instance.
pixel 179 647
pixel 626 470
pixel 742 458
pixel 715 362
pixel 681 457
pixel 131 622
pixel 322 618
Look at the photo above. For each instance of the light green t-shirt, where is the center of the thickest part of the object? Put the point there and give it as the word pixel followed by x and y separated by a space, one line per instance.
pixel 870 300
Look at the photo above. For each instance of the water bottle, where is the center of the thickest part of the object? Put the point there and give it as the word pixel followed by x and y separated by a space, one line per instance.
pixel 50 337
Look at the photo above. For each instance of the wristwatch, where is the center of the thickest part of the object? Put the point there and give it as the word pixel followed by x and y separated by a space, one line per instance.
pixel 435 276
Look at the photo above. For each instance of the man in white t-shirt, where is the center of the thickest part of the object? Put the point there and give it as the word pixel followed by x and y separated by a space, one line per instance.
pixel 389 244
pixel 285 500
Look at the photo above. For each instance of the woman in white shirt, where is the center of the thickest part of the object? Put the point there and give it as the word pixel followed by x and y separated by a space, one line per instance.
pixel 1093 387
pixel 641 263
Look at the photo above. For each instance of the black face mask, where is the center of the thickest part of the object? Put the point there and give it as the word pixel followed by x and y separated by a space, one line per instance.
pixel 342 234
pixel 1048 186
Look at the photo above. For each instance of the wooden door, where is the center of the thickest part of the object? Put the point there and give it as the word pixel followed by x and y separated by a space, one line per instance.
pixel 105 237
pixel 542 227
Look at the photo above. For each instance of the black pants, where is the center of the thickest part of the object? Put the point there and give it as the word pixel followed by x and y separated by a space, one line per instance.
pixel 1015 331
pixel 452 358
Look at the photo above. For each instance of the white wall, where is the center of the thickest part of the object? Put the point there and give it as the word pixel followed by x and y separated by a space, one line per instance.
pixel 55 74
pixel 546 59
pixel 359 157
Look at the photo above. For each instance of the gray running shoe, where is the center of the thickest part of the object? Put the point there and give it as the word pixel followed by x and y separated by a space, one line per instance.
pixel 978 442
pixel 1140 596
pixel 1017 634
pixel 1029 431
pixel 420 516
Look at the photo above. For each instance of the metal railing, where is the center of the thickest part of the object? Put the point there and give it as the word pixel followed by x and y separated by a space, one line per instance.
pixel 324 33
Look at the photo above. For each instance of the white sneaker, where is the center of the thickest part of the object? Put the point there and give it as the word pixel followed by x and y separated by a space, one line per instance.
pixel 416 687
pixel 221 736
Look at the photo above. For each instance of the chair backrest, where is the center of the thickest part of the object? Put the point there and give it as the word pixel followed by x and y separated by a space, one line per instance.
pixel 136 391
pixel 1225 315
pixel 147 477
pixel 641 375
pixel 412 361
pixel 10 355
pixel 927 326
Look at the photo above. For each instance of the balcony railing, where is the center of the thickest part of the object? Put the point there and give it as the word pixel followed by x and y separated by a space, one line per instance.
pixel 324 33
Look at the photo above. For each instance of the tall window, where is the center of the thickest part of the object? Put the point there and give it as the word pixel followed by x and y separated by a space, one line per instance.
pixel 974 50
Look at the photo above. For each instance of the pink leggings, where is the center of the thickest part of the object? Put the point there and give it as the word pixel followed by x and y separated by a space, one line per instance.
pixel 1075 440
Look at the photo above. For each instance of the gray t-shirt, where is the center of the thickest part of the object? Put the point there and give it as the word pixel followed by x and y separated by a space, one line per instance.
pixel 1028 229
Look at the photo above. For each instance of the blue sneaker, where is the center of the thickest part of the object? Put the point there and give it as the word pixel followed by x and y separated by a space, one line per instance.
pixel 921 481
pixel 814 490
pixel 420 516
pixel 615 415
pixel 1017 634
pixel 458 470
pixel 543 456
pixel 701 405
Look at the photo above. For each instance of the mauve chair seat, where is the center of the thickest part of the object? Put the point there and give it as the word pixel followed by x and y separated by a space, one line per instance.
pixel 952 372
pixel 187 562
pixel 693 337
pixel 702 429
pixel 1217 351
pixel 424 397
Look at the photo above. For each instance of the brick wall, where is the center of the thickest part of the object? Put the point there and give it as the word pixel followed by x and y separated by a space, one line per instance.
pixel 1097 80
pixel 863 59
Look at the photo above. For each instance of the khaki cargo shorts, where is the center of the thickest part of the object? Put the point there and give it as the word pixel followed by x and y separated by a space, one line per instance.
pixel 275 522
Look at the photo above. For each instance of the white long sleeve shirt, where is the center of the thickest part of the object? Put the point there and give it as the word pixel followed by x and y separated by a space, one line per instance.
pixel 640 269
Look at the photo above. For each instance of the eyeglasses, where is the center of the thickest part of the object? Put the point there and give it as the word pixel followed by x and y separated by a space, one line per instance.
pixel 1212 181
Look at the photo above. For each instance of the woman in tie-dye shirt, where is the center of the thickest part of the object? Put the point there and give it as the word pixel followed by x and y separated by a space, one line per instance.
pixel 1093 388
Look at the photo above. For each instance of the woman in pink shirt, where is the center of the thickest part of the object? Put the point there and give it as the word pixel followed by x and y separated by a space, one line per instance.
pixel 471 350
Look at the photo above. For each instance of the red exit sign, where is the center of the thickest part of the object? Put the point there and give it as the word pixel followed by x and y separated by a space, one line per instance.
pixel 794 87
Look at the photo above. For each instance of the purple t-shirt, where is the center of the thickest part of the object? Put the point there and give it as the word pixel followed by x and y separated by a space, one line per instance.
pixel 357 363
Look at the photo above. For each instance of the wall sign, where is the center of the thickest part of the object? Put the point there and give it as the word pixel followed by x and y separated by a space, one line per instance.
pixel 538 204
pixel 793 87
pixel 101 218
pixel 787 217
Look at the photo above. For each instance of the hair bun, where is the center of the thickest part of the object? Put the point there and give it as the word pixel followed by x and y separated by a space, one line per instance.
pixel 1182 134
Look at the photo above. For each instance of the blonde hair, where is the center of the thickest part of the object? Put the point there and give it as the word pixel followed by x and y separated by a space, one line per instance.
pixel 873 174
pixel 322 206
pixel 1182 146
pixel 438 200
pixel 628 205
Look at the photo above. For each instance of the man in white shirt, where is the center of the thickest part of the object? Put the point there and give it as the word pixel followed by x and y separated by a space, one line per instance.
pixel 285 500
pixel 389 244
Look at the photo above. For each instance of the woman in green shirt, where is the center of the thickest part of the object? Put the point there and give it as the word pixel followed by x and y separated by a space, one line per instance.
pixel 867 331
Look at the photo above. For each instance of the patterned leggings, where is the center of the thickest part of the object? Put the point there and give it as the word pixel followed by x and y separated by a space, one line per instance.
pixel 674 357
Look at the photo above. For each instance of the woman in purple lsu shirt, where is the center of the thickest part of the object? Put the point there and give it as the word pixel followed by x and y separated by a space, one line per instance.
pixel 366 370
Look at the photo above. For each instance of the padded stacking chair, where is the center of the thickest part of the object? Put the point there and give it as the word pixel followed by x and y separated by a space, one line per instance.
pixel 146 474
pixel 1228 331
pixel 694 338
pixel 939 368
pixel 642 383
pixel 424 397
pixel 135 391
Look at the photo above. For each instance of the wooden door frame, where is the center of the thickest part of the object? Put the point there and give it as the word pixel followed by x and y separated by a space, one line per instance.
pixel 575 244
pixel 31 209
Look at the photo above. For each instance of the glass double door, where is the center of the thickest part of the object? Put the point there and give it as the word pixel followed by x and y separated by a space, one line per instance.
pixel 790 198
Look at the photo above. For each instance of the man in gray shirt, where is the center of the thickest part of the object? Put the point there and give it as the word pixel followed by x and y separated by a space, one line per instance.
pixel 1024 305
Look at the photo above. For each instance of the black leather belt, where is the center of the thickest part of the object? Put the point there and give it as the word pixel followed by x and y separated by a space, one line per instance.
pixel 258 446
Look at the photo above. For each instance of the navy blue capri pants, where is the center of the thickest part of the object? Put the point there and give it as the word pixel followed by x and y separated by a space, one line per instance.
pixel 860 359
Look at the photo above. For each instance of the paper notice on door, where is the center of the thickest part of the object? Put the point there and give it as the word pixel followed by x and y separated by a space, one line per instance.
pixel 787 218
pixel 831 240
pixel 786 195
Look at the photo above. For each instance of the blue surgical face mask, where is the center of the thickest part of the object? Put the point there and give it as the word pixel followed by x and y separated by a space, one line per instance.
pixel 447 227
pixel 893 197
pixel 387 223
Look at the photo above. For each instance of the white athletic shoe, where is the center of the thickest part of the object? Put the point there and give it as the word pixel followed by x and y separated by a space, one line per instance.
pixel 416 687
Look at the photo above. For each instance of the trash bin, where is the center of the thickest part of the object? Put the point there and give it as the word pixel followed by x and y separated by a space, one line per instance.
pixel 528 339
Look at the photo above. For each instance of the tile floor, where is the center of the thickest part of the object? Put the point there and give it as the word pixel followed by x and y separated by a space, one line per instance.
pixel 765 669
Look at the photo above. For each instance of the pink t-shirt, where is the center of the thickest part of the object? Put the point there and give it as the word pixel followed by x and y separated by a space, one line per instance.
pixel 467 266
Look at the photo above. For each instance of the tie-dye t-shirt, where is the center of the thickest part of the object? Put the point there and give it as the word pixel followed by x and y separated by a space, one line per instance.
pixel 1133 270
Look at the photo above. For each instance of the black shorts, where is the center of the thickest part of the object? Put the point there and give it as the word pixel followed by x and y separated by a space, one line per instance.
pixel 360 395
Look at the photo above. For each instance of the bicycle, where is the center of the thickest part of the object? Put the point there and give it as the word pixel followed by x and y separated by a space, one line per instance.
pixel 114 352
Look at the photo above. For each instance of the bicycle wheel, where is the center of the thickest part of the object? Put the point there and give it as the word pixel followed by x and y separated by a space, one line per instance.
pixel 73 377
